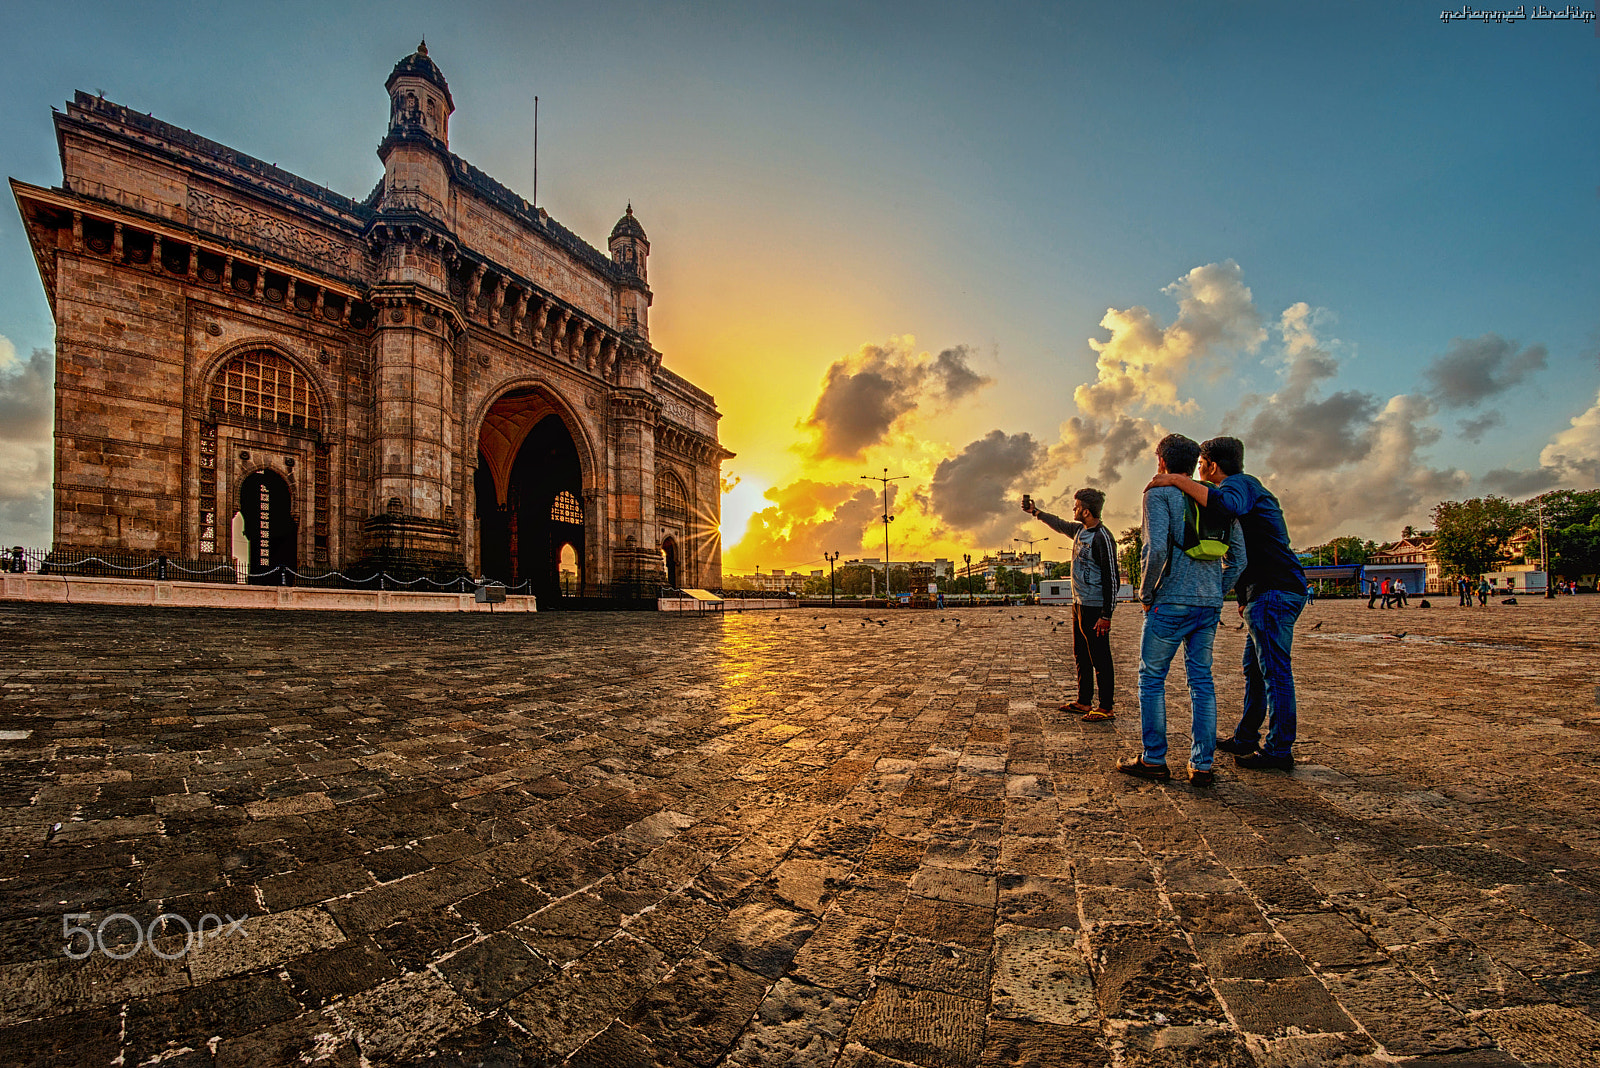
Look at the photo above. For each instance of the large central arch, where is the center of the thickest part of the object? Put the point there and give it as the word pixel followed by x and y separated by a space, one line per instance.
pixel 529 489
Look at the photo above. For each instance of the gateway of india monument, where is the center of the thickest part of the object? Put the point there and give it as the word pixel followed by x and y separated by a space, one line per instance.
pixel 439 379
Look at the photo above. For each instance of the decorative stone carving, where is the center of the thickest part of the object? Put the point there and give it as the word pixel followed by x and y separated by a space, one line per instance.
pixel 249 226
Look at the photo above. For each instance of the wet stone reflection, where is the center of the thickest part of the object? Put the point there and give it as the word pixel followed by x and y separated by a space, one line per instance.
pixel 635 839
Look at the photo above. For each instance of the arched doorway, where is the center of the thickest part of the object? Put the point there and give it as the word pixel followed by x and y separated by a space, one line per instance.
pixel 269 526
pixel 526 448
pixel 669 549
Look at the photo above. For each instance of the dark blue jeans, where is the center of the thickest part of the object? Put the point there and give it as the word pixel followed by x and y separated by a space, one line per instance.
pixel 1268 671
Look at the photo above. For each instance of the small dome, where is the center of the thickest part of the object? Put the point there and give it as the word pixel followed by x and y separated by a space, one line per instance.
pixel 418 65
pixel 628 226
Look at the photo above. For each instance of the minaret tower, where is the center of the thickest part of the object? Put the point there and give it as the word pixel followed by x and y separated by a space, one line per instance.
pixel 412 525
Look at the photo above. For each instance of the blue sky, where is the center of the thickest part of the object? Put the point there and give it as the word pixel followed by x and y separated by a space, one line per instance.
pixel 839 191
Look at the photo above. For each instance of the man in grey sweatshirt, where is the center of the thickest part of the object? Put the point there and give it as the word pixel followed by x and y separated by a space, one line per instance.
pixel 1095 580
pixel 1182 599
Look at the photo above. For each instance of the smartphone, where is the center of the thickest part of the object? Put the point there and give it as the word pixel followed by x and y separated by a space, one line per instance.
pixel 1027 502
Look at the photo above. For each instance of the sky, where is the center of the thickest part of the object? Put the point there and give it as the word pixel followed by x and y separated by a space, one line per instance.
pixel 996 249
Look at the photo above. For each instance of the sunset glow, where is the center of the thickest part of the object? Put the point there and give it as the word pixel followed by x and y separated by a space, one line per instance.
pixel 996 252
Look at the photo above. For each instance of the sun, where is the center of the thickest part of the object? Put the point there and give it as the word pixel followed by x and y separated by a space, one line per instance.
pixel 744 500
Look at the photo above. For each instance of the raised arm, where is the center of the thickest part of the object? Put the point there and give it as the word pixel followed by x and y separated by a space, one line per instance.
pixel 1198 491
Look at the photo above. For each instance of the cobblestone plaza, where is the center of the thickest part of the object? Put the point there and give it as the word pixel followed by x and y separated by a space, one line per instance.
pixel 794 838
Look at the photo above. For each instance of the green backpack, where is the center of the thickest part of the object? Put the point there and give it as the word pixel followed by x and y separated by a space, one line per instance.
pixel 1203 539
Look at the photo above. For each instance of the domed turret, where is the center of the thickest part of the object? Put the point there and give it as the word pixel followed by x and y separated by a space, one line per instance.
pixel 419 97
pixel 629 245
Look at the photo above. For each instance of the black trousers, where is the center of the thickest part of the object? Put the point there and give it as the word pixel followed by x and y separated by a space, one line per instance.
pixel 1093 653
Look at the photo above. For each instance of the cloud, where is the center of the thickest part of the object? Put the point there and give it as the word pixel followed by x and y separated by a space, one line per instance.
pixel 1142 363
pixel 1474 429
pixel 866 394
pixel 808 518
pixel 1575 451
pixel 1514 483
pixel 27 408
pixel 1299 430
pixel 1475 369
pixel 973 491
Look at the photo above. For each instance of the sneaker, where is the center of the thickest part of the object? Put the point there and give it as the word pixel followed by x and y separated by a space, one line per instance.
pixel 1236 747
pixel 1099 715
pixel 1263 762
pixel 1136 767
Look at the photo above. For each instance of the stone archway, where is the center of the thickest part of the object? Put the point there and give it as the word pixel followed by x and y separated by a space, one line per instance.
pixel 269 526
pixel 669 550
pixel 529 489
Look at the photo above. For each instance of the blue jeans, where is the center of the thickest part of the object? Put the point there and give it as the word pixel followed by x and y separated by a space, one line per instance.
pixel 1167 626
pixel 1268 672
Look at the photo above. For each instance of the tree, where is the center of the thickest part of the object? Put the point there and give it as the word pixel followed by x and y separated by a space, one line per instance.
pixel 1061 570
pixel 899 579
pixel 856 580
pixel 1575 550
pixel 1342 551
pixel 1131 554
pixel 1471 535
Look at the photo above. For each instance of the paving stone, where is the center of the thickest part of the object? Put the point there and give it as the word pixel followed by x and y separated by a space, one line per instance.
pixel 923 1026
pixel 1467 977
pixel 404 1016
pixel 761 937
pixel 1148 969
pixel 1273 1008
pixel 917 962
pixel 1401 1014
pixel 701 1008
pixel 344 970
pixel 1030 1044
pixel 796 1026
pixel 1042 976
pixel 677 924
pixel 1545 1034
pixel 1249 956
pixel 1037 901
pixel 581 1001
pixel 1327 940
pixel 1159 1045
pixel 840 953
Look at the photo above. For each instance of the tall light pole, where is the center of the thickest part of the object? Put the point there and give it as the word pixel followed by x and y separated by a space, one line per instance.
pixel 1033 574
pixel 832 601
pixel 972 598
pixel 887 518
pixel 1544 558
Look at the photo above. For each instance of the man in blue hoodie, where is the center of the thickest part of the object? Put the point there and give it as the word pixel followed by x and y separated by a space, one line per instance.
pixel 1272 593
pixel 1182 597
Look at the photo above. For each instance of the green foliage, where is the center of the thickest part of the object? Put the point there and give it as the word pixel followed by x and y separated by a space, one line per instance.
pixel 1471 535
pixel 857 580
pixel 1061 570
pixel 1132 542
pixel 1575 549
pixel 1342 551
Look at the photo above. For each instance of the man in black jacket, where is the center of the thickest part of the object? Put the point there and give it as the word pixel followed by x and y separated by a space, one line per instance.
pixel 1095 580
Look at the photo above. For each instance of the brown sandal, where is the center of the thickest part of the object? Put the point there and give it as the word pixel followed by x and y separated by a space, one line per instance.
pixel 1076 706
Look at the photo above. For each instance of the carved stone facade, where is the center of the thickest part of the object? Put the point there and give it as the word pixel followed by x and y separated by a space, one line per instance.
pixel 437 378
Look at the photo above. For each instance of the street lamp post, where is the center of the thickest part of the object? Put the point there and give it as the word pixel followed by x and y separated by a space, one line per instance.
pixel 887 518
pixel 1033 574
pixel 972 598
pixel 832 601
pixel 1544 557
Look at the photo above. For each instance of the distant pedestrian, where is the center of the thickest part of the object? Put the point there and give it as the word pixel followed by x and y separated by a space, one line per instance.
pixel 1463 592
pixel 1399 593
pixel 1372 592
pixel 1388 594
pixel 1483 592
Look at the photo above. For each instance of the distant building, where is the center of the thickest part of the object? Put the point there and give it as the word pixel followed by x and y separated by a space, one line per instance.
pixel 1412 559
